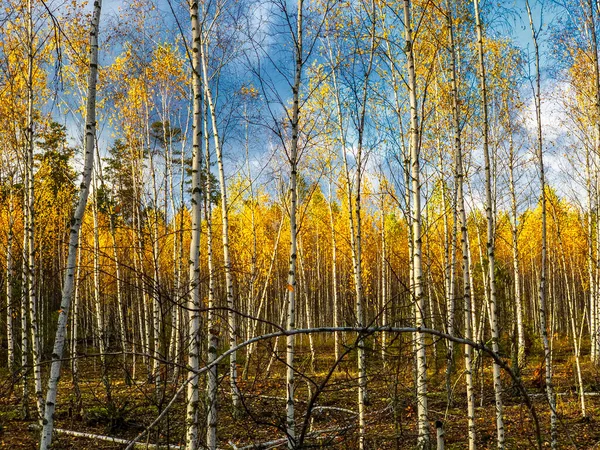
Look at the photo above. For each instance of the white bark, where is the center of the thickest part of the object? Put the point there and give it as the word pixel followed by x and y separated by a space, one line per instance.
pixel 384 290
pixel 98 306
pixel 291 282
pixel 231 306
pixel 462 216
pixel 157 318
pixel 542 286
pixel 334 276
pixel 490 232
pixel 24 328
pixel 194 302
pixel 213 331
pixel 306 288
pixel 417 269
pixel 9 287
pixel 120 306
pixel 440 435
pixel 515 246
pixel 90 135
pixel 30 222
pixel 594 288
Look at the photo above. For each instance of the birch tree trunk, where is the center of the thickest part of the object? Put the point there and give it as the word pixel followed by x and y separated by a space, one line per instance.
pixel 571 310
pixel 590 259
pixel 9 287
pixel 90 137
pixel 354 194
pixel 75 329
pixel 194 303
pixel 30 223
pixel 291 284
pixel 98 307
pixel 334 277
pixel 24 327
pixel 490 231
pixel 542 286
pixel 462 216
pixel 594 307
pixel 231 306
pixel 515 244
pixel 157 316
pixel 417 269
pixel 384 268
pixel 213 331
pixel 120 306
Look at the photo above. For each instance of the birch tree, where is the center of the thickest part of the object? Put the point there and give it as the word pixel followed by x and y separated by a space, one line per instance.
pixel 490 244
pixel 194 303
pixel 30 268
pixel 462 216
pixel 90 139
pixel 415 213
pixel 297 36
pixel 542 283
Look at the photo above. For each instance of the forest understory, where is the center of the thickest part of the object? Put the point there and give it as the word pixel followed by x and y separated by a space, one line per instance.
pixel 332 423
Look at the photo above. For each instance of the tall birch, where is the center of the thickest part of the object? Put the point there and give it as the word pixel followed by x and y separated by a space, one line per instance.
pixel 231 306
pixel 542 285
pixel 462 216
pixel 194 303
pixel 30 271
pixel 291 282
pixel 90 138
pixel 490 226
pixel 415 213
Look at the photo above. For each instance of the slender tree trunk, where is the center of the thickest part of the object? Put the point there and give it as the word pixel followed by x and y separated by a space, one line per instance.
pixel 253 267
pixel 291 282
pixel 90 136
pixel 490 231
pixel 462 216
pixel 590 261
pixel 542 285
pixel 120 305
pixel 595 315
pixel 571 310
pixel 449 255
pixel 384 291
pixel 30 227
pixel 157 316
pixel 24 326
pixel 307 309
pixel 194 302
pixel 98 307
pixel 515 246
pixel 334 276
pixel 213 331
pixel 231 306
pixel 9 287
pixel 576 336
pixel 75 329
pixel 417 270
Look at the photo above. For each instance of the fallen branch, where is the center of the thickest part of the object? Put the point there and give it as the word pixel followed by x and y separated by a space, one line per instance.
pixel 316 408
pixel 334 408
pixel 114 440
pixel 278 442
pixel 560 394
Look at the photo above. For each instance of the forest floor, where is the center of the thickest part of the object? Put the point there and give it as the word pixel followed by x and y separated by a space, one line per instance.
pixel 391 412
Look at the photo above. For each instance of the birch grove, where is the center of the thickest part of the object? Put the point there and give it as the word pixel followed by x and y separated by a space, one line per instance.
pixel 366 225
